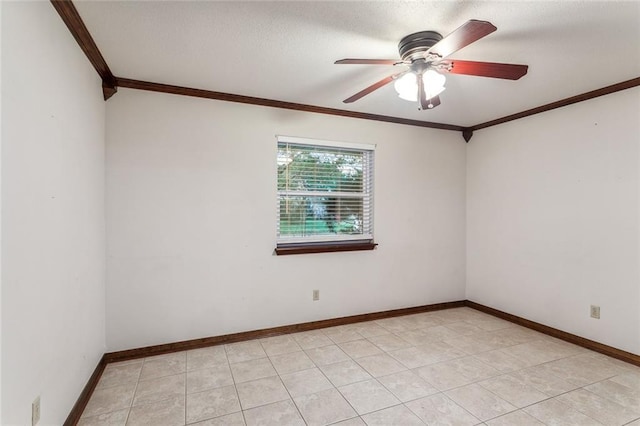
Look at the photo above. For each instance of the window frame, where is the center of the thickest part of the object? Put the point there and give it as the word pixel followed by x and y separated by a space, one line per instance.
pixel 324 243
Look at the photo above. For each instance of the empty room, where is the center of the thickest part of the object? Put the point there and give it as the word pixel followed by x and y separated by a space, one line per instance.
pixel 320 213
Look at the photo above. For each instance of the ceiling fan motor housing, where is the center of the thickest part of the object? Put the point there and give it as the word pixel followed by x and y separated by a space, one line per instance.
pixel 415 45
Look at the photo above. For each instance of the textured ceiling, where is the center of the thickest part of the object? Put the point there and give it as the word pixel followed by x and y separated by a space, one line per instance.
pixel 285 50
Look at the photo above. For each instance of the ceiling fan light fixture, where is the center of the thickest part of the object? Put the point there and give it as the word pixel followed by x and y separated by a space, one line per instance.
pixel 407 85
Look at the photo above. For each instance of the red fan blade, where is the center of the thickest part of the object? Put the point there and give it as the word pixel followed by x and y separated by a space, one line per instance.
pixel 369 61
pixel 469 32
pixel 371 88
pixel 488 69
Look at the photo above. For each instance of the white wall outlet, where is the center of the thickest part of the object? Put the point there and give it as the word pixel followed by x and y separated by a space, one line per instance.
pixel 35 411
pixel 316 295
pixel 595 311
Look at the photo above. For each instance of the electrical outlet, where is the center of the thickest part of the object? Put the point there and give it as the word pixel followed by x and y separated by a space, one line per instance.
pixel 316 295
pixel 595 311
pixel 35 411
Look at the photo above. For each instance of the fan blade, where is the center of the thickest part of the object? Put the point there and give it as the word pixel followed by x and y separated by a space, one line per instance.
pixel 369 61
pixel 469 32
pixel 374 86
pixel 488 69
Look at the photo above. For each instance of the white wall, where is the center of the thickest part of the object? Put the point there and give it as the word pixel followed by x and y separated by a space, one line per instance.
pixel 53 293
pixel 552 218
pixel 191 210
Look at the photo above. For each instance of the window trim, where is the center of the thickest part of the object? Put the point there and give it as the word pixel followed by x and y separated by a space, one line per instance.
pixel 348 243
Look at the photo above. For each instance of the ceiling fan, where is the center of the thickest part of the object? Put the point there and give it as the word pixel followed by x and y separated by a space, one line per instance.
pixel 425 53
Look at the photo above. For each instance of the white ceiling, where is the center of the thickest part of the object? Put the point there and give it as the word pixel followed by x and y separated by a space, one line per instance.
pixel 285 50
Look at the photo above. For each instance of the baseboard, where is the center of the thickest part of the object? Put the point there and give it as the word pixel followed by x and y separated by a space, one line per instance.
pixel 268 332
pixel 563 335
pixel 74 416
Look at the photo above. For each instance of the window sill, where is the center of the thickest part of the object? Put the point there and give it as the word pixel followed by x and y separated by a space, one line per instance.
pixel 324 248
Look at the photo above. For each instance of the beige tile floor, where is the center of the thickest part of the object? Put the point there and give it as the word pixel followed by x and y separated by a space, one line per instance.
pixel 452 367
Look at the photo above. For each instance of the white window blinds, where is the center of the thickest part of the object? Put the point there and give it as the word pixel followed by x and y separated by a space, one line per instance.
pixel 325 191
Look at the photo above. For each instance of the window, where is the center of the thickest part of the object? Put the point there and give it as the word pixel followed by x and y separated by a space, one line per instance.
pixel 325 196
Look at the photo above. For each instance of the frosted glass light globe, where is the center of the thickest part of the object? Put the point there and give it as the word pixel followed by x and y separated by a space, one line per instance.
pixel 407 85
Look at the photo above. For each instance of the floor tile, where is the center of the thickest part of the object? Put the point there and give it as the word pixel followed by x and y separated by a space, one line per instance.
pixel 261 392
pixel 368 396
pixel 312 339
pixel 597 407
pixel 345 372
pixel 160 389
pixel 115 375
pixel 360 348
pixel 291 362
pixel 327 355
pixel 246 371
pixel 440 351
pixel 515 418
pixel 212 403
pixel 389 342
pixel 369 329
pixel 472 344
pixel 623 395
pixel 110 399
pixel 380 365
pixel 553 412
pixel 439 410
pixel 492 323
pixel 233 419
pixel 473 368
pixel 114 418
pixel 164 365
pixel 538 352
pixel 206 357
pixel 305 382
pixel 459 314
pixel 516 335
pixel 412 357
pixel 209 378
pixel 393 416
pixel 541 378
pixel 245 351
pixel 513 390
pixel 283 413
pixel 428 335
pixel 394 325
pixel 501 361
pixel 391 371
pixel 324 408
pixel 342 335
pixel 629 379
pixel 423 320
pixel 355 421
pixel 458 372
pixel 279 345
pixel 442 376
pixel 582 370
pixel 169 412
pixel 464 328
pixel 480 402
pixel 407 386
